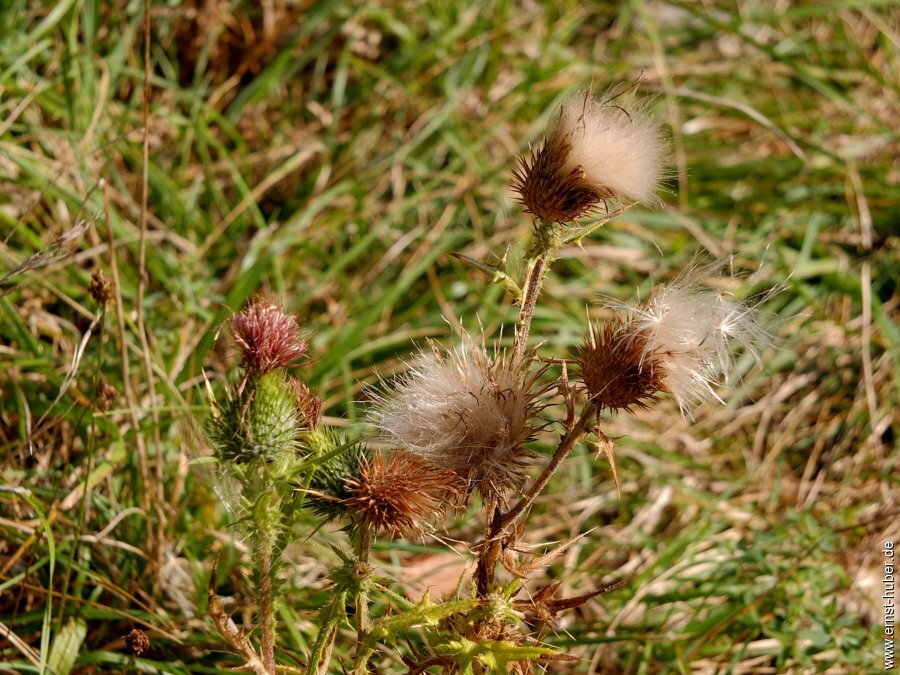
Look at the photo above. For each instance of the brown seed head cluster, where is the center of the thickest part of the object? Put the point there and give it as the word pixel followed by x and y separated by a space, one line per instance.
pixel 398 495
pixel 137 642
pixel 268 338
pixel 547 190
pixel 100 288
pixel 617 372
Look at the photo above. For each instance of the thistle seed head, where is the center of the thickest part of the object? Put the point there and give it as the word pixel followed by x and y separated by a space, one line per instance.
pixel 615 370
pixel 268 338
pixel 618 147
pixel 398 495
pixel 465 411
pixel 595 150
pixel 689 332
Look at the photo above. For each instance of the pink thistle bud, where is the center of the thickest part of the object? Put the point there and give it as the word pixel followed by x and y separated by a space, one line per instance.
pixel 268 338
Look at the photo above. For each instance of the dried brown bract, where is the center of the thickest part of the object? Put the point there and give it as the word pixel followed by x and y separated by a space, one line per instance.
pixel 547 190
pixel 307 402
pixel 615 369
pixel 398 495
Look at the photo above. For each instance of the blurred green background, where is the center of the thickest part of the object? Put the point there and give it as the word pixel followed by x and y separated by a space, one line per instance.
pixel 333 155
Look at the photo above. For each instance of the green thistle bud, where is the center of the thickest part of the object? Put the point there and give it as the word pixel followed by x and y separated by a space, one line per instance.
pixel 326 483
pixel 259 425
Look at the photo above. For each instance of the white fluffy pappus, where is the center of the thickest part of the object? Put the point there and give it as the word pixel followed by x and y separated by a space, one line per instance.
pixel 465 410
pixel 619 149
pixel 692 331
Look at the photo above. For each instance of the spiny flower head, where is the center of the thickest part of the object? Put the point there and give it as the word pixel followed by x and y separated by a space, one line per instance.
pixel 398 495
pixel 687 332
pixel 261 424
pixel 465 411
pixel 616 372
pixel 268 338
pixel 324 488
pixel 595 150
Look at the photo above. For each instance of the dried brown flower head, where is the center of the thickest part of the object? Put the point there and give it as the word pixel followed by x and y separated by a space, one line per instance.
pixel 467 412
pixel 398 495
pixel 268 338
pixel 106 394
pixel 100 287
pixel 595 150
pixel 137 642
pixel 680 341
pixel 549 192
pixel 616 372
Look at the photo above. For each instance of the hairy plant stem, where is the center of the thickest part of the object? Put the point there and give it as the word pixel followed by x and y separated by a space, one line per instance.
pixel 531 289
pixel 363 619
pixel 566 445
pixel 536 270
pixel 265 534
pixel 498 524
pixel 265 547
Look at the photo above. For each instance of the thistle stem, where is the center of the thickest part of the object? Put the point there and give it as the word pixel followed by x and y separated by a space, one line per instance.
pixel 534 279
pixel 363 619
pixel 566 445
pixel 490 554
pixel 266 605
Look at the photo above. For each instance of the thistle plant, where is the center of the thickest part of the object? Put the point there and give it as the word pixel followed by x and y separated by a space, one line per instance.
pixel 456 430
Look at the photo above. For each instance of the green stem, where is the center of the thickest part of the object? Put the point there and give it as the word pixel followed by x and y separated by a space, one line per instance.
pixel 329 621
pixel 363 618
pixel 265 546
pixel 91 451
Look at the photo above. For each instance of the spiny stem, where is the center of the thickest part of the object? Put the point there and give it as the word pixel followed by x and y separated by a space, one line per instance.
pixel 363 619
pixel 490 553
pixel 534 278
pixel 266 606
pixel 566 445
